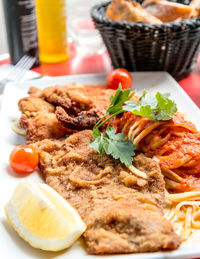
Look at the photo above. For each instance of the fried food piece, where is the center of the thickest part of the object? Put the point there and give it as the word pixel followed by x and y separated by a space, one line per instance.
pixel 39 120
pixel 71 97
pixel 167 11
pixel 75 107
pixel 122 10
pixel 74 95
pixel 33 105
pixel 100 100
pixel 57 111
pixel 123 213
pixel 84 119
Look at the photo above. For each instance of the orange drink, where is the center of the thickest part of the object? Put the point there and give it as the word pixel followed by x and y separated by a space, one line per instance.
pixel 52 30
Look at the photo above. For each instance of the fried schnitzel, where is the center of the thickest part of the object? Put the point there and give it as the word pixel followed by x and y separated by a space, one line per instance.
pixel 123 213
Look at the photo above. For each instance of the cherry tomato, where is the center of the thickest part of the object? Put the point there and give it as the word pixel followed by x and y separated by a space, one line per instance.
pixel 119 75
pixel 23 159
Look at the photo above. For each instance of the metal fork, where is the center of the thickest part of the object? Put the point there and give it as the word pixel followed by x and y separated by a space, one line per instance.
pixel 18 71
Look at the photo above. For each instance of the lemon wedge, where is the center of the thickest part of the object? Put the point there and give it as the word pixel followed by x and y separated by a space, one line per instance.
pixel 42 217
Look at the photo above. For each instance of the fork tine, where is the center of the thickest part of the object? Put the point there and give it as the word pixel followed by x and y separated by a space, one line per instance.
pixel 19 63
pixel 22 62
pixel 21 68
pixel 18 71
pixel 19 74
pixel 17 68
pixel 30 62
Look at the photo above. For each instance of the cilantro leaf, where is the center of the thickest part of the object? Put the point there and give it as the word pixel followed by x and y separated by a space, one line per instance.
pixel 144 111
pixel 138 109
pixel 122 150
pixel 162 115
pixel 130 106
pixel 166 107
pixel 118 99
pixel 97 144
pixel 113 145
pixel 149 99
pixel 111 133
pixel 113 99
pixel 157 107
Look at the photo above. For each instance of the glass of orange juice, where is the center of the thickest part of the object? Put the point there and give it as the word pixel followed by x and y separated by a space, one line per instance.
pixel 52 30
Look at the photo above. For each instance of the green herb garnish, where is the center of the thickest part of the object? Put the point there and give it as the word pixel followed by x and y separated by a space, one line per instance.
pixel 114 145
pixel 158 107
pixel 109 142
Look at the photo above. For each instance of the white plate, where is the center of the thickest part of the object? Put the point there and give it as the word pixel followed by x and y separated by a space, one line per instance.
pixel 11 245
pixel 6 69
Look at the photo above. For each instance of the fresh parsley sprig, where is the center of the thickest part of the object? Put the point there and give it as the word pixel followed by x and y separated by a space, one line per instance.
pixel 109 142
pixel 114 145
pixel 158 107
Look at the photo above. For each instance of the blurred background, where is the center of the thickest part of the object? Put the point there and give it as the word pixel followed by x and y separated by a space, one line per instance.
pixel 74 7
pixel 82 51
pixel 62 33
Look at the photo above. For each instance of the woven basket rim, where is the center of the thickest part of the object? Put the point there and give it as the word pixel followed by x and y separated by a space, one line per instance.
pixel 177 25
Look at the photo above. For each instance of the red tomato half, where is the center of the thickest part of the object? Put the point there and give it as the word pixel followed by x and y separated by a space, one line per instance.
pixel 119 75
pixel 23 159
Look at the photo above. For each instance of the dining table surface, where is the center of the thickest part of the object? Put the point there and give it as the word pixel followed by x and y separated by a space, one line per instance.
pixel 79 63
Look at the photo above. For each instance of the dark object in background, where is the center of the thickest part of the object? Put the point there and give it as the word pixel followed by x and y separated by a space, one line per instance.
pixel 171 47
pixel 21 29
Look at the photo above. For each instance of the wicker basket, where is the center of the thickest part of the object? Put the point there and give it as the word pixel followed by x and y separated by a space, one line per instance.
pixel 171 47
